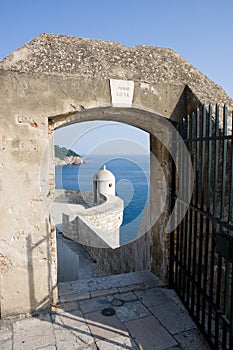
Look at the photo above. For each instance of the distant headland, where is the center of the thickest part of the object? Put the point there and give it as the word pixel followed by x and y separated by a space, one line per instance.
pixel 64 156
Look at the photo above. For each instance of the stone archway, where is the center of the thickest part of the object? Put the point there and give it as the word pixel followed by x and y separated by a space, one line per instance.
pixel 56 79
pixel 158 210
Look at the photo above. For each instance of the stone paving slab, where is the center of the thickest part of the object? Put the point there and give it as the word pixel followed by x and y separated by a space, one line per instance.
pixel 33 333
pixel 73 297
pixel 173 317
pixel 191 340
pixel 117 343
pixel 6 335
pixel 70 291
pixel 104 328
pixel 95 304
pixel 66 340
pixel 153 297
pixel 149 334
pixel 72 320
pixel 129 296
pixel 132 311
pixel 102 292
pixel 149 319
pixel 6 344
pixel 140 279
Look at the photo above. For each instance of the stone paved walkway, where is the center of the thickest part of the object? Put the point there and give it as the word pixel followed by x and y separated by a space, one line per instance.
pixel 147 316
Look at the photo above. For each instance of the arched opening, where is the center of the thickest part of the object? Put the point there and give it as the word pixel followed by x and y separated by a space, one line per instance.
pixel 157 213
pixel 124 151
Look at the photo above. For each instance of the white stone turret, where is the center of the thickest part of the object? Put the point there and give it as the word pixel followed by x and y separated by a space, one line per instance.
pixel 103 183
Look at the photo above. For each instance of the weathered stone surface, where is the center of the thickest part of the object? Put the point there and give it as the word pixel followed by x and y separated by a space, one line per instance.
pixel 66 338
pixel 33 333
pixel 5 330
pixel 6 335
pixel 131 310
pixel 173 317
pixel 117 343
pixel 95 304
pixel 191 340
pixel 152 297
pixel 148 333
pixel 130 296
pixel 6 344
pixel 104 327
pixel 81 325
pixel 98 293
pixel 86 57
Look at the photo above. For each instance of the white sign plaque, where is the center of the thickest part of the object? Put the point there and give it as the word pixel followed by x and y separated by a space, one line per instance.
pixel 122 92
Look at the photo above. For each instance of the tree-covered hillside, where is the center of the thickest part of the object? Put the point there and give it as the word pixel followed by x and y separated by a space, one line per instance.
pixel 62 152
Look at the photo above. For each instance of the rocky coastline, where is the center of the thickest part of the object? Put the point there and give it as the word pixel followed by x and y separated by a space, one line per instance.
pixel 72 160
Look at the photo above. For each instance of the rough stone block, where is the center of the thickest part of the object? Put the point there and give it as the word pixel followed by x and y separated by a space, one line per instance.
pixel 67 307
pixel 74 339
pixel 73 297
pixel 104 327
pixel 192 340
pixel 131 311
pixel 152 297
pixel 148 333
pixel 70 320
pixel 5 330
pixel 103 292
pixel 173 317
pixel 117 343
pixel 130 296
pixel 28 342
pixel 95 304
pixel 6 344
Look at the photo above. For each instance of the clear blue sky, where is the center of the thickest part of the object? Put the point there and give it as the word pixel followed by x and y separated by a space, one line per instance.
pixel 200 30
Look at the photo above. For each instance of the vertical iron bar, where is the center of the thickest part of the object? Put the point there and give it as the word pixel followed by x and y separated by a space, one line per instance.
pixel 213 242
pixel 223 199
pixel 197 134
pixel 207 234
pixel 231 179
pixel 181 255
pixel 185 220
pixel 215 214
pixel 177 238
pixel 172 234
pixel 230 233
pixel 224 156
pixel 201 234
pixel 231 315
pixel 189 220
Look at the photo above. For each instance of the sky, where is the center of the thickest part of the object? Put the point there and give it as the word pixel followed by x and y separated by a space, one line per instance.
pixel 201 31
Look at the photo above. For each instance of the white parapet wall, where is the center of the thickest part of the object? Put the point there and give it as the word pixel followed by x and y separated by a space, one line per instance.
pixel 91 225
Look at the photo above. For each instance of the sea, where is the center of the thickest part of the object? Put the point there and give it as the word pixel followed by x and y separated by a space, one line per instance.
pixel 132 173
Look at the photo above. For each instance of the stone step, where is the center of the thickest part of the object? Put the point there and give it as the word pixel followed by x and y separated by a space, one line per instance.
pixel 103 286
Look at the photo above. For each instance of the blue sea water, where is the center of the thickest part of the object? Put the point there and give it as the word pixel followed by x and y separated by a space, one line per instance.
pixel 132 184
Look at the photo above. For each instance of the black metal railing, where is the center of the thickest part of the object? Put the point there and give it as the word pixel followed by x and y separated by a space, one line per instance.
pixel 201 247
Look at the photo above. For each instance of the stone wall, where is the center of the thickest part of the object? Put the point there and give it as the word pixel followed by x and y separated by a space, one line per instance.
pixel 55 81
pixel 60 54
pixel 84 198
pixel 104 226
pixel 134 256
pixel 105 218
pixel 88 230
